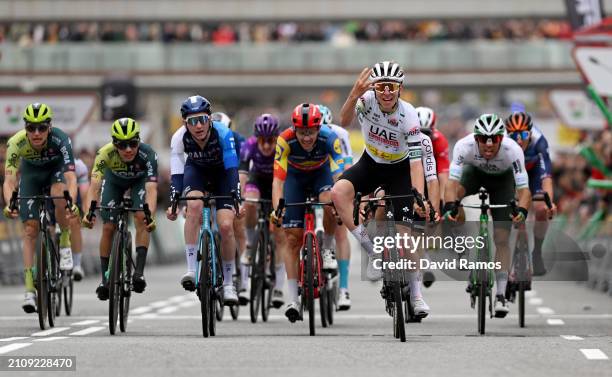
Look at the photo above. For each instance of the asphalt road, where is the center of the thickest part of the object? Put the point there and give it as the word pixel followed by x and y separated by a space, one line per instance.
pixel 568 333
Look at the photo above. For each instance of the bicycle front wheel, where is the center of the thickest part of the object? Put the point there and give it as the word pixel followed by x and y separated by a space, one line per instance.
pixel 41 282
pixel 258 263
pixel 126 278
pixel 309 281
pixel 521 302
pixel 398 311
pixel 205 286
pixel 53 274
pixel 114 283
pixel 482 301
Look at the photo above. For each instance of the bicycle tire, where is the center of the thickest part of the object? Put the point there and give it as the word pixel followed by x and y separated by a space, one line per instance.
pixel 268 282
pixel 219 311
pixel 258 264
pixel 114 283
pixel 212 324
pixel 126 277
pixel 204 285
pixel 59 284
pixel 521 302
pixel 482 303
pixel 398 313
pixel 68 296
pixel 41 283
pixel 331 303
pixel 52 273
pixel 309 282
pixel 323 305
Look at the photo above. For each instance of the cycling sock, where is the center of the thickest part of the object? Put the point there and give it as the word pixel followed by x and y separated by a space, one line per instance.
pixel 292 290
pixel 191 255
pixel 76 258
pixel 364 240
pixel 141 258
pixel 501 277
pixel 229 268
pixel 280 276
pixel 343 267
pixel 244 276
pixel 28 274
pixel 104 266
pixel 64 240
pixel 328 241
pixel 415 284
pixel 251 237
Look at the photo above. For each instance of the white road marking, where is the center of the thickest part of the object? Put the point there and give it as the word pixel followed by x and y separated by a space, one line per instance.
pixel 158 304
pixel 14 338
pixel 168 310
pixel 50 331
pixel 535 301
pixel 187 304
pixel 555 322
pixel 545 311
pixel 148 316
pixel 13 347
pixel 594 354
pixel 179 298
pixel 531 293
pixel 85 323
pixel 88 330
pixel 141 310
pixel 50 339
pixel 571 337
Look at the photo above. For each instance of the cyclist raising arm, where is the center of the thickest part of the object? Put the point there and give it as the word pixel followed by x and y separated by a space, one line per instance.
pixel 46 160
pixel 488 159
pixel 121 165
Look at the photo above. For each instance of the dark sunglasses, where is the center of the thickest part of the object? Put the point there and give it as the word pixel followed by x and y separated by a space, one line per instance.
pixel 267 140
pixel 522 135
pixel 124 144
pixel 484 139
pixel 202 119
pixel 40 127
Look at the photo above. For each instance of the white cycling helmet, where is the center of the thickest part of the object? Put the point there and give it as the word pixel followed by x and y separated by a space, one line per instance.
pixel 387 71
pixel 427 117
pixel 489 125
pixel 326 113
pixel 222 118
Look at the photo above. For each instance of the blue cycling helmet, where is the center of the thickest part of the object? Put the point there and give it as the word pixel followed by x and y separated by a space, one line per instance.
pixel 194 105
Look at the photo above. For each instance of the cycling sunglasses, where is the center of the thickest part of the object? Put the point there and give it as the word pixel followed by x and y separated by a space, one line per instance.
pixel 391 86
pixel 267 140
pixel 522 135
pixel 484 139
pixel 40 127
pixel 124 144
pixel 202 119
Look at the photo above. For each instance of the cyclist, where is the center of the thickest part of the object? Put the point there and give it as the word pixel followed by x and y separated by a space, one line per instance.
pixel 45 153
pixel 239 223
pixel 519 126
pixel 307 157
pixel 76 238
pixel 125 164
pixel 391 130
pixel 256 174
pixel 488 159
pixel 428 118
pixel 343 247
pixel 211 165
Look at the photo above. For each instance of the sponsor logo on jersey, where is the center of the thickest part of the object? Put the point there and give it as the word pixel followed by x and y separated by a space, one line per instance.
pixel 517 166
pixel 414 131
pixel 337 147
pixel 383 136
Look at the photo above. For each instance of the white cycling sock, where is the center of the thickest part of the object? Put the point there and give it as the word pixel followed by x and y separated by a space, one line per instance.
pixel 415 284
pixel 501 278
pixel 364 240
pixel 244 276
pixel 191 253
pixel 251 234
pixel 280 277
pixel 292 290
pixel 229 268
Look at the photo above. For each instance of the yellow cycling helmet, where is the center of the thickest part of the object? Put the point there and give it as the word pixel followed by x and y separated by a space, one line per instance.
pixel 37 113
pixel 125 129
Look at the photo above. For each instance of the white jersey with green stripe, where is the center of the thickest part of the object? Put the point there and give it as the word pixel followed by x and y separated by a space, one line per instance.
pixel 389 137
pixel 509 157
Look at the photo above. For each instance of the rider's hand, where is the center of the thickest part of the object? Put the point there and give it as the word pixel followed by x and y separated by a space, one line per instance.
pixel 87 223
pixel 521 215
pixel 151 225
pixel 274 219
pixel 171 216
pixel 73 212
pixel 10 214
pixel 448 210
pixel 421 211
pixel 363 83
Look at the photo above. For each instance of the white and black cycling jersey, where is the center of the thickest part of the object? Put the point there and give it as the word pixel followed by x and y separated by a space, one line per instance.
pixel 509 157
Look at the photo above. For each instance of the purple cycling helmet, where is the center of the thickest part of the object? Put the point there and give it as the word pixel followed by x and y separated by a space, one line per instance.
pixel 266 125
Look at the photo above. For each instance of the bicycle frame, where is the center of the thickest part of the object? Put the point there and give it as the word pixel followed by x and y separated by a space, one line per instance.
pixel 310 229
pixel 206 228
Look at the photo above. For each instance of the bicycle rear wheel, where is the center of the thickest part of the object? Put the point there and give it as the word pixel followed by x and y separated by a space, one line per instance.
pixel 204 285
pixel 482 301
pixel 126 278
pixel 268 281
pixel 114 283
pixel 309 282
pixel 258 276
pixel 41 282
pixel 323 305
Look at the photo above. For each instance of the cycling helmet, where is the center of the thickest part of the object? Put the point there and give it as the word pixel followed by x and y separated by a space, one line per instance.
pixel 427 118
pixel 489 125
pixel 266 125
pixel 222 118
pixel 37 113
pixel 125 129
pixel 193 105
pixel 306 115
pixel 325 114
pixel 387 71
pixel 519 121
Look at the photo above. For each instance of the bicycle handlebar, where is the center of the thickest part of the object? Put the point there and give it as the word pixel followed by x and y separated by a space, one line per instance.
pixel 206 199
pixel 15 197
